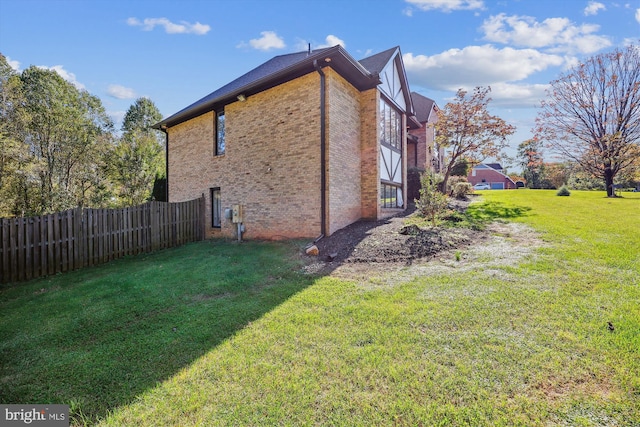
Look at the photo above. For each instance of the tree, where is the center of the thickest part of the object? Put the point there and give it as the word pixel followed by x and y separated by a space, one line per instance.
pixel 530 155
pixel 49 140
pixel 466 129
pixel 62 132
pixel 15 161
pixel 138 158
pixel 592 114
pixel 460 168
pixel 141 116
pixel 558 174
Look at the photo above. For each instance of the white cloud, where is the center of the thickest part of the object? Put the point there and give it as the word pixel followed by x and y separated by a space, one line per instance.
pixel 593 8
pixel 121 92
pixel 476 66
pixel 331 41
pixel 638 15
pixel 445 5
pixel 269 40
pixel 15 65
pixel 68 76
pixel 555 34
pixel 519 95
pixel 183 27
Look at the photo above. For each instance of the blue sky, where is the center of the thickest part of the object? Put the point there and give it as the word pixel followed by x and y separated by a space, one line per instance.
pixel 176 52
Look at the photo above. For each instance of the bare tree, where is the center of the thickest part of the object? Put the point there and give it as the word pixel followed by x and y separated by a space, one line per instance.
pixel 592 114
pixel 466 130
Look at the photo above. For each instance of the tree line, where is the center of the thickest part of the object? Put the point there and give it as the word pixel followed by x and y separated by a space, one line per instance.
pixel 60 150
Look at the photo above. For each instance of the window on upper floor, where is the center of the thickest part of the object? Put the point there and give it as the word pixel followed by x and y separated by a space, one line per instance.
pixel 391 168
pixel 220 133
pixel 390 126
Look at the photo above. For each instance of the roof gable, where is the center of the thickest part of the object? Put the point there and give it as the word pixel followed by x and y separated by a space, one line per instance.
pixel 494 166
pixel 423 106
pixel 388 65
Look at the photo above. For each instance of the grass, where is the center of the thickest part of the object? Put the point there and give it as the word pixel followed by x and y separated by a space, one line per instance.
pixel 259 343
pixel 97 338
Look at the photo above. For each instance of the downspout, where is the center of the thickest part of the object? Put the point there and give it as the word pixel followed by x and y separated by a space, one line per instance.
pixel 163 128
pixel 323 156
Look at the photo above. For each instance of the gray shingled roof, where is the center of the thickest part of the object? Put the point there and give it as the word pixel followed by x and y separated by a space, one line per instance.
pixel 376 63
pixel 269 68
pixel 422 106
pixel 362 74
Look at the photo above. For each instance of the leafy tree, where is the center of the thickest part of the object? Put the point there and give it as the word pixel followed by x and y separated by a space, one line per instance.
pixel 138 158
pixel 557 174
pixel 49 133
pixel 592 114
pixel 466 129
pixel 62 132
pixel 135 163
pixel 460 168
pixel 531 160
pixel 141 116
pixel 14 156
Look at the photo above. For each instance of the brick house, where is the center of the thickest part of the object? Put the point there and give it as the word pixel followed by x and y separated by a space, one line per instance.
pixel 305 144
pixel 492 174
pixel 422 151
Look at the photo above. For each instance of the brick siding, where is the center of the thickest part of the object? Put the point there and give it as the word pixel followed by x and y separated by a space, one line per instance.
pixel 344 154
pixel 271 165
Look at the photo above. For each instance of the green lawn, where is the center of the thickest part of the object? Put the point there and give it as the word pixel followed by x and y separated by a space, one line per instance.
pixel 224 334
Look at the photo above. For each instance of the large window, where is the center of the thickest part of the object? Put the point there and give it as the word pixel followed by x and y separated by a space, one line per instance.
pixel 216 207
pixel 391 196
pixel 390 126
pixel 390 139
pixel 220 133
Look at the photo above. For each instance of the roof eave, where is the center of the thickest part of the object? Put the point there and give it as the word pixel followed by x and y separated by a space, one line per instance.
pixel 335 57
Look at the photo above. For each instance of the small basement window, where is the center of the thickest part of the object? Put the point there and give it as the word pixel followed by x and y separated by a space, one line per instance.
pixel 216 208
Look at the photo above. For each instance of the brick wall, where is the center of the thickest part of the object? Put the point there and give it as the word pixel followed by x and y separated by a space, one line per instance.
pixel 370 178
pixel 271 165
pixel 344 154
pixel 272 161
pixel 425 145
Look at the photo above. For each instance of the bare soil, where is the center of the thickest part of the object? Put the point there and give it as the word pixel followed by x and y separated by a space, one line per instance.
pixel 369 247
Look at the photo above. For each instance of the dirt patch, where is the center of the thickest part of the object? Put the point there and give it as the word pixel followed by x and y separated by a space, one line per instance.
pixel 388 245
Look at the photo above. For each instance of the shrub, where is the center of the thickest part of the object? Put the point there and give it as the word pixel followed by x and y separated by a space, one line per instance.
pixel 461 190
pixel 413 182
pixel 432 203
pixel 564 191
pixel 453 180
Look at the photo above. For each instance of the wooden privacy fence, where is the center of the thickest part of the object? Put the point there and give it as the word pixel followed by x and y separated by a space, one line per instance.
pixel 64 241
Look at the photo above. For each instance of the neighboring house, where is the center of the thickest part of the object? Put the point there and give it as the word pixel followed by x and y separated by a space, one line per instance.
pixel 305 144
pixel 422 151
pixel 491 173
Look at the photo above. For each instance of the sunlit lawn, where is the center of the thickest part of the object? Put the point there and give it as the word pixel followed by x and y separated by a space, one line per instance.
pixel 257 342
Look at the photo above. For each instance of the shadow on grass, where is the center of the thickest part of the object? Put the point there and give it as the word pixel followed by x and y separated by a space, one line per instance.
pixel 97 338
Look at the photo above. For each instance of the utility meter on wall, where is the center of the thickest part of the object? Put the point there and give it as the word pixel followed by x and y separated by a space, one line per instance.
pixel 236 215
